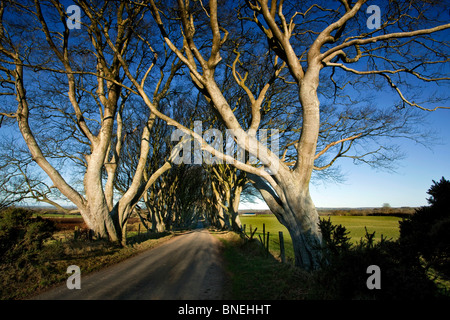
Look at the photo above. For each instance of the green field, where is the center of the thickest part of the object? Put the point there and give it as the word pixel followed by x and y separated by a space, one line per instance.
pixel 381 225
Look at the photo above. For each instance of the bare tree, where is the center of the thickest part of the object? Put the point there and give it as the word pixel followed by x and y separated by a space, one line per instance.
pixel 320 51
pixel 227 185
pixel 324 38
pixel 96 92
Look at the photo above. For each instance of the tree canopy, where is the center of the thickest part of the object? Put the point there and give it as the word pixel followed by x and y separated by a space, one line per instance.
pixel 99 87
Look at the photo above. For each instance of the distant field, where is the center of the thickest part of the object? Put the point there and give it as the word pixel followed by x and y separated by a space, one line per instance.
pixel 386 226
pixel 381 225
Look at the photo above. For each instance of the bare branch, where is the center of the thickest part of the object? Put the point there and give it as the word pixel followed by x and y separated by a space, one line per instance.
pixel 396 35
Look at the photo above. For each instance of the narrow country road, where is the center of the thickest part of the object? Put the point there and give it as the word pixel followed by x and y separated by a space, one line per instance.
pixel 186 267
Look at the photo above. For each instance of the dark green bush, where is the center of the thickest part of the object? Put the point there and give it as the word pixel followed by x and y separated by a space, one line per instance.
pixel 335 238
pixel 425 233
pixel 21 235
pixel 344 272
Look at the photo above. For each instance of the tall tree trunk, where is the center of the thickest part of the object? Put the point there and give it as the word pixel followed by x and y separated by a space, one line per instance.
pixel 155 215
pixel 302 221
pixel 222 216
pixel 299 212
pixel 294 208
pixel 234 209
pixel 157 222
pixel 97 207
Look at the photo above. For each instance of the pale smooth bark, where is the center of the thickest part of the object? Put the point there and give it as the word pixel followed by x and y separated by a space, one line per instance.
pixel 234 209
pixel 285 189
pixel 96 205
pixel 290 197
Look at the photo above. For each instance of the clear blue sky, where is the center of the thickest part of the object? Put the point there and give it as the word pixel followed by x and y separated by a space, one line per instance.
pixel 367 187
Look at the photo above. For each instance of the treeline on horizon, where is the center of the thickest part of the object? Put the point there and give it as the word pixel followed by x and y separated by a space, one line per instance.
pixel 368 211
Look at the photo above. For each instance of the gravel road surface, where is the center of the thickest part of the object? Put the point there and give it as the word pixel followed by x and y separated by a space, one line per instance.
pixel 187 267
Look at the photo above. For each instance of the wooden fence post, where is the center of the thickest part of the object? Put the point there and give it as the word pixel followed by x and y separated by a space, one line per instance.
pixel 76 233
pixel 282 254
pixel 264 234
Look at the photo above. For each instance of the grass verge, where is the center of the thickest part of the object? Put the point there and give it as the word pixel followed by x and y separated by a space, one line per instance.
pixel 255 276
